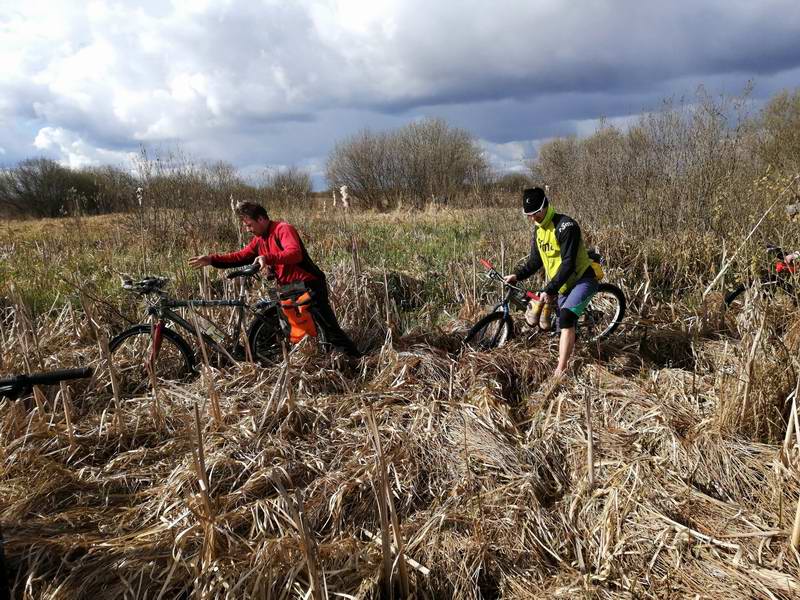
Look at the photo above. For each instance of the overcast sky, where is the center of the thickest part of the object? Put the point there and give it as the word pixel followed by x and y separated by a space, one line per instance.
pixel 263 83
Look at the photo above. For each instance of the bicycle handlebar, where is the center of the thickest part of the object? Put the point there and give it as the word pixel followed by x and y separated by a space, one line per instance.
pixel 248 271
pixel 497 276
pixel 16 385
pixel 147 285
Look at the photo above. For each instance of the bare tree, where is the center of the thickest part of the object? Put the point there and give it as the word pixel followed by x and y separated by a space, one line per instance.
pixel 40 187
pixel 421 162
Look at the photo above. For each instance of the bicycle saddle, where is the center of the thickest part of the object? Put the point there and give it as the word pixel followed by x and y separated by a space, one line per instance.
pixel 777 251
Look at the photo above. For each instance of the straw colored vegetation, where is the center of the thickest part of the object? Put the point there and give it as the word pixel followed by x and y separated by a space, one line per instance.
pixel 423 470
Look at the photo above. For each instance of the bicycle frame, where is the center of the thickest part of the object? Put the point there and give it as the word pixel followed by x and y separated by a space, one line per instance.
pixel 514 295
pixel 163 313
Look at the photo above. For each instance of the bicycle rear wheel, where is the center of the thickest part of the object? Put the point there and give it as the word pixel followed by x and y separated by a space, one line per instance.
pixel 265 336
pixel 492 331
pixel 130 355
pixel 604 313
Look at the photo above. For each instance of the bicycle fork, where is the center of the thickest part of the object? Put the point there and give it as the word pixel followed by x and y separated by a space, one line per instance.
pixel 156 336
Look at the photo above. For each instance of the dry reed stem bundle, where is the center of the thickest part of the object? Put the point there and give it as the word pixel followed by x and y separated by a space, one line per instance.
pixel 488 482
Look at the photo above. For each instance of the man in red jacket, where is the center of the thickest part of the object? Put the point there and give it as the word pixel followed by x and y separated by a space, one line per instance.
pixel 276 245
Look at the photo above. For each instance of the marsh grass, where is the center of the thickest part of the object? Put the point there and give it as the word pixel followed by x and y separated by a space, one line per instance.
pixel 278 491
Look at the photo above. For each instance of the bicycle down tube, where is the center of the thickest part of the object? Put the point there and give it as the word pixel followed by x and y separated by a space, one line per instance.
pixel 165 313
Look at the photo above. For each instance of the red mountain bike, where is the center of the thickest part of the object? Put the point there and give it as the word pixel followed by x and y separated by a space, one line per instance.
pixel 157 347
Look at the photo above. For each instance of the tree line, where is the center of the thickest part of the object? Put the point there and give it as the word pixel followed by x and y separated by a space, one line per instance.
pixel 683 161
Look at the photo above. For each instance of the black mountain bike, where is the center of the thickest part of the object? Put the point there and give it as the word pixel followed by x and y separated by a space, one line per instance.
pixel 157 348
pixel 600 319
pixel 779 277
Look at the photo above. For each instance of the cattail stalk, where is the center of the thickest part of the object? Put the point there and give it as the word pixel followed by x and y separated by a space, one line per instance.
pixel 216 411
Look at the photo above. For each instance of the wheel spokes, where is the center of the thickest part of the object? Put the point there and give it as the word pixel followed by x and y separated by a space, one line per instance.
pixel 132 359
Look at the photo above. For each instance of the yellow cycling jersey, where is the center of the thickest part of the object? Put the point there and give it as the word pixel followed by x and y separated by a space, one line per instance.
pixel 549 248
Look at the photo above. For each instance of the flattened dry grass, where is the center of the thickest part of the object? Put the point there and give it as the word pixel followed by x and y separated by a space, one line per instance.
pixel 488 476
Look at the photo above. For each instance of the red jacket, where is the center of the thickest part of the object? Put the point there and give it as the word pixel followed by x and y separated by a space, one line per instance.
pixel 283 250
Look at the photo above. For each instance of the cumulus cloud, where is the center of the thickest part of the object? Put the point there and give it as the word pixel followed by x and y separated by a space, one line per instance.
pixel 75 152
pixel 278 83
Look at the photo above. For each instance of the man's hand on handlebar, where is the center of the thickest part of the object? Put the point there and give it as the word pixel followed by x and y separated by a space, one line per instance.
pixel 198 262
pixel 266 269
pixel 510 278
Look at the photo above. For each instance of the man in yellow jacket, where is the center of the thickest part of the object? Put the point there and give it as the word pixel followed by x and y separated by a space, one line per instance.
pixel 558 247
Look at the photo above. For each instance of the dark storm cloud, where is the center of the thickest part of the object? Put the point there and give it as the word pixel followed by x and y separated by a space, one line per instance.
pixel 279 83
pixel 609 47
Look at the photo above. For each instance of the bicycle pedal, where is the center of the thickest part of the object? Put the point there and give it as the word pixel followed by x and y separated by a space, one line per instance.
pixel 238 353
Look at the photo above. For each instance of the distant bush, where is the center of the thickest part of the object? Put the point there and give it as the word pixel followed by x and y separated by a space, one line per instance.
pixel 40 187
pixel 287 185
pixel 689 161
pixel 512 183
pixel 684 163
pixel 779 129
pixel 422 162
pixel 116 188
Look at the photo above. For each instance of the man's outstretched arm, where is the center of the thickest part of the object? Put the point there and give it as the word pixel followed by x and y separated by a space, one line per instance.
pixel 242 257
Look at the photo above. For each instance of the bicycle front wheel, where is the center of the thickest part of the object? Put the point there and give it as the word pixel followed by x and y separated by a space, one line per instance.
pixel 131 355
pixel 492 331
pixel 604 313
pixel 770 284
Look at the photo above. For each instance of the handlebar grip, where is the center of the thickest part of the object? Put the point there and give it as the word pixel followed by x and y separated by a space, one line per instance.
pixel 297 304
pixel 486 263
pixel 50 377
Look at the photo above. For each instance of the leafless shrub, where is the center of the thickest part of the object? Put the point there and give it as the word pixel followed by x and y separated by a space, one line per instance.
pixel 287 185
pixel 116 188
pixel 687 162
pixel 423 162
pixel 779 129
pixel 40 187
